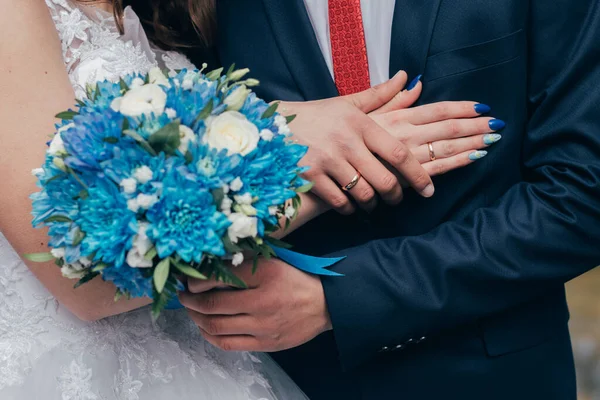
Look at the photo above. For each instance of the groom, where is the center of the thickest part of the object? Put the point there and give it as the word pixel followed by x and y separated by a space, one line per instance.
pixel 456 296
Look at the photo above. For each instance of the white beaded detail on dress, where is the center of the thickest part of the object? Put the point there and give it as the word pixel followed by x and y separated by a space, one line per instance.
pixel 46 352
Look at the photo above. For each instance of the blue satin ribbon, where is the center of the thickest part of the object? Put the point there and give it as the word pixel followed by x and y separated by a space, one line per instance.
pixel 310 264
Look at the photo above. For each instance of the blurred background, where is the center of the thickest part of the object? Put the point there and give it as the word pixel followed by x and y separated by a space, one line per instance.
pixel 584 303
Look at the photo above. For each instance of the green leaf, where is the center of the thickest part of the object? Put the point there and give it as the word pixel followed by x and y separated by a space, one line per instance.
pixel 166 139
pixel 80 103
pixel 57 218
pixel 224 274
pixel 123 85
pixel 59 262
pixel 269 112
pixel 230 246
pixel 141 141
pixel 118 295
pixel 161 273
pixel 230 70
pixel 88 277
pixel 214 74
pixel 255 264
pixel 151 254
pixel 79 236
pixel 125 124
pixel 305 188
pixel 39 257
pixel 83 194
pixel 99 267
pixel 218 196
pixel 278 243
pixel 160 301
pixel 188 157
pixel 66 115
pixel 189 271
pixel 111 140
pixel 205 113
pixel 290 118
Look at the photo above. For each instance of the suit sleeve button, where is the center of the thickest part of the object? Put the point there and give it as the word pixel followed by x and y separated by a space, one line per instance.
pixel 384 349
pixel 399 347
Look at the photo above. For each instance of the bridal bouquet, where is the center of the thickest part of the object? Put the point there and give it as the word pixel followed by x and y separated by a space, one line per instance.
pixel 163 176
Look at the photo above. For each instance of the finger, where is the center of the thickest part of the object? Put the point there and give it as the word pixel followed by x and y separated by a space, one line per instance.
pixel 219 325
pixel 362 192
pixel 452 147
pixel 203 285
pixel 221 302
pixel 234 342
pixel 402 100
pixel 441 111
pixel 379 177
pixel 332 194
pixel 375 97
pixel 444 165
pixel 399 156
pixel 455 128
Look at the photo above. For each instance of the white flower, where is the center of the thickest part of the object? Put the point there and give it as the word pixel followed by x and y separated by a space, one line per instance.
pixel 144 100
pixel 186 136
pixel 273 210
pixel 236 99
pixel 236 184
pixel 280 120
pixel 57 146
pixel 187 84
pixel 141 245
pixel 241 227
pixel 171 113
pixel 238 74
pixel 129 185
pixel 238 258
pixel 133 205
pixel 146 201
pixel 116 104
pixel 284 130
pixel 143 174
pixel 37 172
pixel 225 188
pixel 245 198
pixel 136 83
pixel 289 212
pixel 267 135
pixel 232 131
pixel 58 252
pixel 76 270
pixel 226 205
pixel 156 77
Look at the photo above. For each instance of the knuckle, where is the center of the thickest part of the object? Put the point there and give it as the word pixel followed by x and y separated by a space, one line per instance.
pixel 213 327
pixel 339 201
pixel 365 194
pixel 225 345
pixel 388 183
pixel 448 148
pixel 453 127
pixel 210 303
pixel 400 153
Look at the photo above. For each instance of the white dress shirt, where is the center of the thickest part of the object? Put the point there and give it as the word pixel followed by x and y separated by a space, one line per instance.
pixel 377 21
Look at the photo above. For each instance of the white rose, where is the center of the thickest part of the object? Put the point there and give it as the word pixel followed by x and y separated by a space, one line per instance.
pixel 141 245
pixel 236 184
pixel 57 146
pixel 144 100
pixel 116 104
pixel 289 212
pixel 129 185
pixel 143 174
pixel 236 99
pixel 156 77
pixel 232 131
pixel 136 83
pixel 237 259
pixel 241 227
pixel 186 136
pixel 266 135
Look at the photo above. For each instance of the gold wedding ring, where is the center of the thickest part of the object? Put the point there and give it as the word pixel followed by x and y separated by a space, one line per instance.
pixel 431 152
pixel 353 182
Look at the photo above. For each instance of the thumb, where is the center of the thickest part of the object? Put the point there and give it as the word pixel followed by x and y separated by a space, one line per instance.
pixel 375 97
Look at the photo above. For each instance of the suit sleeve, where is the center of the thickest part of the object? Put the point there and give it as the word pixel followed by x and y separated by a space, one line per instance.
pixel 543 232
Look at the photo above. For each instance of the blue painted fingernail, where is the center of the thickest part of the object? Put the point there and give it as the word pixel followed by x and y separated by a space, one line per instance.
pixel 491 138
pixel 497 124
pixel 414 82
pixel 482 108
pixel 476 155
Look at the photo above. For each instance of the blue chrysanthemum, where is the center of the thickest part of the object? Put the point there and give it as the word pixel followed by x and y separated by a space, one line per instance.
pixel 108 224
pixel 185 221
pixel 129 280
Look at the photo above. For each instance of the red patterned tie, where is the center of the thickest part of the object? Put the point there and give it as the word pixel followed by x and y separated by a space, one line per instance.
pixel 348 46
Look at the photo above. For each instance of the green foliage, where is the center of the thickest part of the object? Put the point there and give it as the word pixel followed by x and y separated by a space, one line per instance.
pixel 57 218
pixel 166 139
pixel 39 257
pixel 66 115
pixel 269 112
pixel 161 274
pixel 86 278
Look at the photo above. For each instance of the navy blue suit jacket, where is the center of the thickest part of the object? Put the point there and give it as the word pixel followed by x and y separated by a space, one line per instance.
pixel 461 295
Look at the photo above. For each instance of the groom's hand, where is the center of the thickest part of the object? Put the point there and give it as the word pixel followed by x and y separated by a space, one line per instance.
pixel 343 139
pixel 282 308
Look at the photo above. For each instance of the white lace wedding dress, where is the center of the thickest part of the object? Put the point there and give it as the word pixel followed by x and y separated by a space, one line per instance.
pixel 46 353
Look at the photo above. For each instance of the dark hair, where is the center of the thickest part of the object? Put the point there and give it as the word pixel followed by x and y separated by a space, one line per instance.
pixel 173 24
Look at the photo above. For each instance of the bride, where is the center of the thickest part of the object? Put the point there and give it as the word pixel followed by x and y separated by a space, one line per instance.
pixel 60 343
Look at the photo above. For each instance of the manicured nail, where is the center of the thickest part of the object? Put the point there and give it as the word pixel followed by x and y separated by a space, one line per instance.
pixel 476 155
pixel 491 138
pixel 497 124
pixel 482 108
pixel 414 82
pixel 428 191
